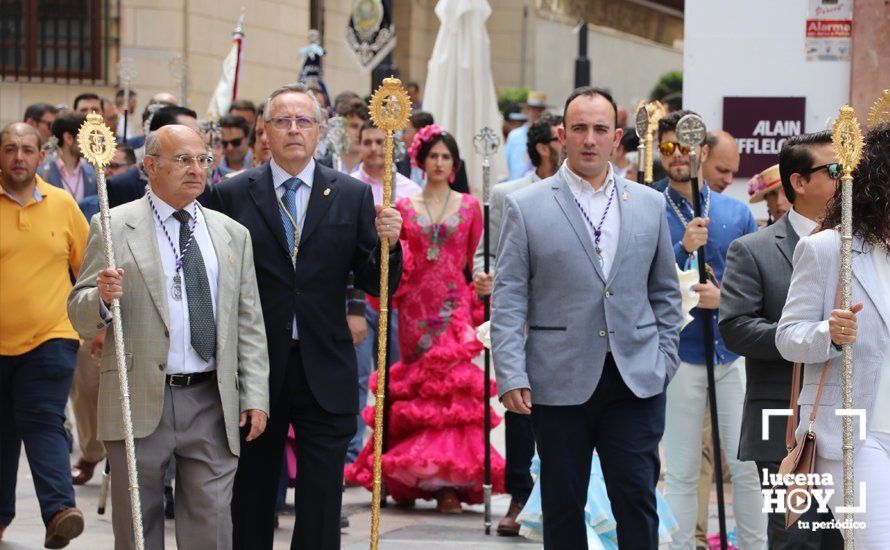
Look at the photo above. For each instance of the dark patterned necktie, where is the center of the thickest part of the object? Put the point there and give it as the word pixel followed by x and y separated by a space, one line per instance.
pixel 197 289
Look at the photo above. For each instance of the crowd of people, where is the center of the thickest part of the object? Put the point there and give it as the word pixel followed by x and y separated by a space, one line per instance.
pixel 248 261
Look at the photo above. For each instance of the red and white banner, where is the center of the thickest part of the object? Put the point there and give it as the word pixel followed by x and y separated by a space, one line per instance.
pixel 227 89
pixel 829 30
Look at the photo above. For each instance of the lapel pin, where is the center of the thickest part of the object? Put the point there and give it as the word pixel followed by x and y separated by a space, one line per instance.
pixel 231 259
pixel 624 196
pixel 327 191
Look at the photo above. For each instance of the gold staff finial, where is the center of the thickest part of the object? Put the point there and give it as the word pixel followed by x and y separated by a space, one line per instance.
pixel 656 111
pixel 96 141
pixel 880 111
pixel 390 109
pixel 847 139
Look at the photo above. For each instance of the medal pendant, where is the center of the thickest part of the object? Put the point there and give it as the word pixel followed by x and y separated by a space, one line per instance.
pixel 176 289
pixel 432 253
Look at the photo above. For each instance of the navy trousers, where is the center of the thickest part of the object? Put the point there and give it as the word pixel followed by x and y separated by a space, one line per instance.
pixel 625 431
pixel 34 388
pixel 520 449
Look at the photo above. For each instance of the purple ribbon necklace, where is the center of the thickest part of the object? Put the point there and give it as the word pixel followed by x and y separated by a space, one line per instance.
pixel 176 289
pixel 598 228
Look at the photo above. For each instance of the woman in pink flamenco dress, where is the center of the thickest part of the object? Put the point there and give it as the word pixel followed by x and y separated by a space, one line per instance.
pixel 435 436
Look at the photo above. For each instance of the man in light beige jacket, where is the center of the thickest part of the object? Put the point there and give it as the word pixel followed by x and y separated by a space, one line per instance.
pixel 195 345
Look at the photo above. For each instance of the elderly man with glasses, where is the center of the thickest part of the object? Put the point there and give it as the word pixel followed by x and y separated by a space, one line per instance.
pixel 311 227
pixel 195 345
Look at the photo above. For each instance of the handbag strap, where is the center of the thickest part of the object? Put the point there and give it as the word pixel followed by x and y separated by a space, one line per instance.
pixel 791 426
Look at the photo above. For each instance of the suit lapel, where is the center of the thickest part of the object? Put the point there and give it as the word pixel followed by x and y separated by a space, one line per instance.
pixel 864 271
pixel 262 190
pixel 566 201
pixel 227 292
pixel 786 238
pixel 144 247
pixel 627 222
pixel 320 200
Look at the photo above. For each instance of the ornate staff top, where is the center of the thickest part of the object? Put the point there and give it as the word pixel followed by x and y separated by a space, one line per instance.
pixel 656 111
pixel 847 139
pixel 642 122
pixel 96 141
pixel 691 131
pixel 486 143
pixel 335 137
pixel 880 111
pixel 126 71
pixel 390 106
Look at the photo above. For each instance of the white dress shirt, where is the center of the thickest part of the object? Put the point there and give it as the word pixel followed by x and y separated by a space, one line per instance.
pixel 802 225
pixel 881 413
pixel 182 358
pixel 307 176
pixel 594 202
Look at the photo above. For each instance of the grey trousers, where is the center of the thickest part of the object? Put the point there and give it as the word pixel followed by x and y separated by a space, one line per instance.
pixel 191 429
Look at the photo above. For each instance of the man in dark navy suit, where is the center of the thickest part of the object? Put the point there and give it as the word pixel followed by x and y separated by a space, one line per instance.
pixel 311 226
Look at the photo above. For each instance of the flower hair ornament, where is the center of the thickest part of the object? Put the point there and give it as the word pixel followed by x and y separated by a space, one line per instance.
pixel 421 138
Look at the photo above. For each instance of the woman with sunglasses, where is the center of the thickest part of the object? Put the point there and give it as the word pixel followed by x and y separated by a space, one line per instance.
pixel 813 329
pixel 723 220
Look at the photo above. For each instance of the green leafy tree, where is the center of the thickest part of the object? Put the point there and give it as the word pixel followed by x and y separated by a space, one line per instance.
pixel 670 82
pixel 511 98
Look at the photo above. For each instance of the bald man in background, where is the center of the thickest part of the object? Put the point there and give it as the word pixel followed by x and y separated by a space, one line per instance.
pixel 722 162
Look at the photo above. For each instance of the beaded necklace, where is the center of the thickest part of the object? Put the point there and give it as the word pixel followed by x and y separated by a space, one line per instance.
pixel 176 289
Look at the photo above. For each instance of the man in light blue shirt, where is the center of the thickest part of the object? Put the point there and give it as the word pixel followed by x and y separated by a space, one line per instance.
pixel 518 163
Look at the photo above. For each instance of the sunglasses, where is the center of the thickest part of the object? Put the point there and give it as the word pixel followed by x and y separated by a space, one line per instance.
pixel 668 147
pixel 835 170
pixel 233 142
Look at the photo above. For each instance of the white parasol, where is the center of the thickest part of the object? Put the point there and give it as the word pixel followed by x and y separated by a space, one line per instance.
pixel 460 90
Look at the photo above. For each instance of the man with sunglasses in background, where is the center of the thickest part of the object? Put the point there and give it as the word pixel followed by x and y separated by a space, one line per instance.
pixel 755 287
pixel 723 220
pixel 234 142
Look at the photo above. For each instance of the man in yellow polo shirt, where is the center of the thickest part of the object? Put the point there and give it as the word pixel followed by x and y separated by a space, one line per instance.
pixel 42 237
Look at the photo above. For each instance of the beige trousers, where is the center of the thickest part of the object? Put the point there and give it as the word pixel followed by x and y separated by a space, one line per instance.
pixel 193 430
pixel 85 404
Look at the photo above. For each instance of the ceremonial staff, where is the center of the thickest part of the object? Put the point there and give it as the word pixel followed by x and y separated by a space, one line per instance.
pixel 642 125
pixel 179 70
pixel 656 112
pixel 691 132
pixel 126 72
pixel 486 143
pixel 847 140
pixel 97 144
pixel 390 109
pixel 337 141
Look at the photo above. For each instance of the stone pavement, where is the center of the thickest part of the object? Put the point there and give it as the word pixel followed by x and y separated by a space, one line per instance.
pixel 401 529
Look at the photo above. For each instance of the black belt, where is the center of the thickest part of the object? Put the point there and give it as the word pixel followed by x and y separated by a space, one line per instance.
pixel 185 380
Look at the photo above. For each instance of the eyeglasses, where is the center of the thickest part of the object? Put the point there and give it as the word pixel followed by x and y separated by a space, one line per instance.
pixel 835 170
pixel 47 122
pixel 668 147
pixel 233 142
pixel 116 165
pixel 185 161
pixel 285 123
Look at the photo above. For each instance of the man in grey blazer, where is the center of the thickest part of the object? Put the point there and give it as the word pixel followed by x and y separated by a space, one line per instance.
pixel 545 152
pixel 755 287
pixel 585 327
pixel 194 340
